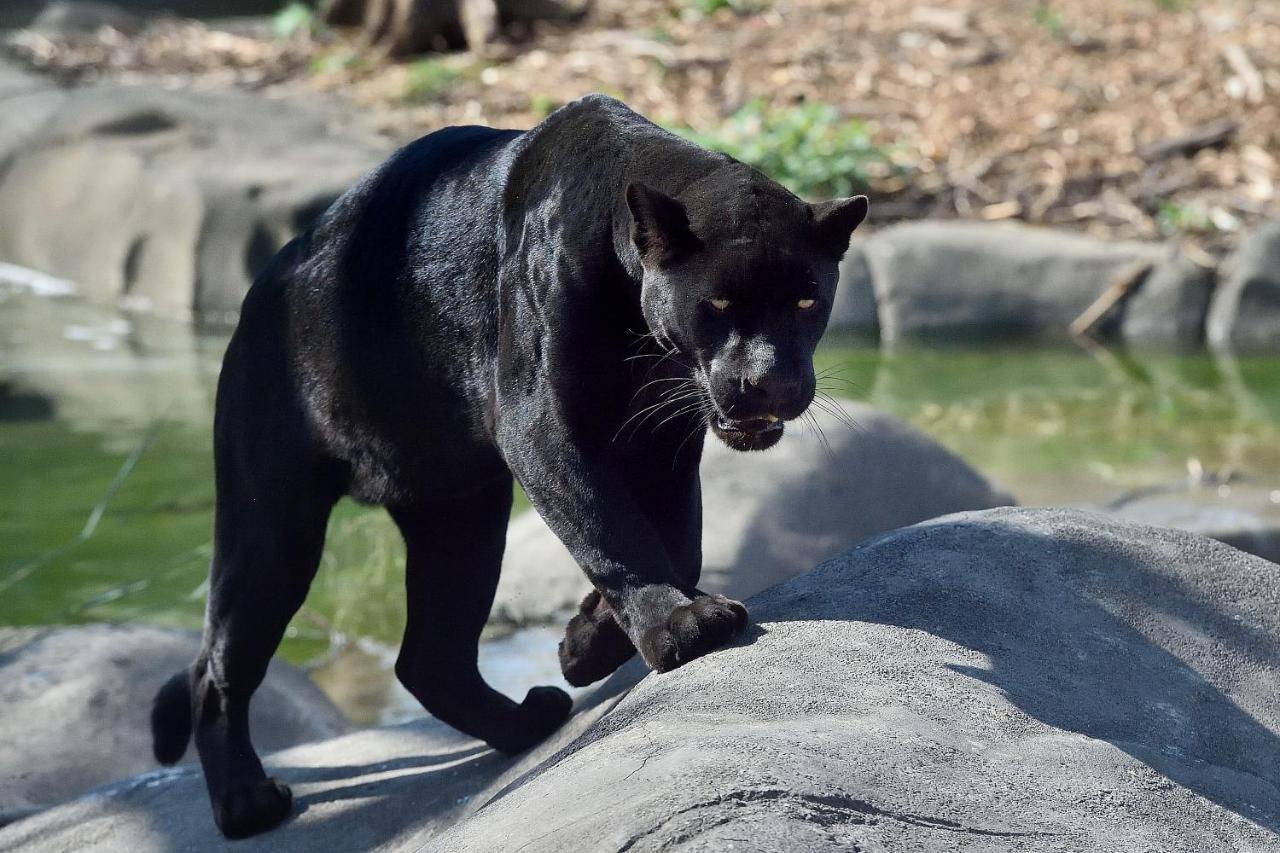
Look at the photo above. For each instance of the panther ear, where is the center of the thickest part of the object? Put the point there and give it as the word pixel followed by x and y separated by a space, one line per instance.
pixel 836 221
pixel 659 225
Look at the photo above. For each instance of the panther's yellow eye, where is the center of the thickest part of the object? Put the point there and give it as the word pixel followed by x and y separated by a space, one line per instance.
pixel 719 304
pixel 806 304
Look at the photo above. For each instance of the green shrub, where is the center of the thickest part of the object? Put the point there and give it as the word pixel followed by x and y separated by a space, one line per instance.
pixel 428 79
pixel 294 18
pixel 543 105
pixel 1191 218
pixel 1051 20
pixel 336 61
pixel 809 148
pixel 710 7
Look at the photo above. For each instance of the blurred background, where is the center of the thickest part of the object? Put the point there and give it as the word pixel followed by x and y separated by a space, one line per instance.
pixel 154 154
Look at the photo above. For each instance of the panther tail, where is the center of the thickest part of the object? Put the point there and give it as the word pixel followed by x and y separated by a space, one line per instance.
pixel 171 719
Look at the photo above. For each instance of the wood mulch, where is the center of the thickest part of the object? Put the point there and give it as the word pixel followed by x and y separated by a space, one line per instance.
pixel 1121 118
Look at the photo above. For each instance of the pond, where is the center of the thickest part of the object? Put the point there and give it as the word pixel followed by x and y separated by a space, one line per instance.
pixel 106 504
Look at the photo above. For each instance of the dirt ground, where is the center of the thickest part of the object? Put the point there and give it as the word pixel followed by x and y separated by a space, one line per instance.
pixel 1122 118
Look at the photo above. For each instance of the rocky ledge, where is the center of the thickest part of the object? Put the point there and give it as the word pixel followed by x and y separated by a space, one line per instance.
pixel 1011 679
pixel 167 201
pixel 929 281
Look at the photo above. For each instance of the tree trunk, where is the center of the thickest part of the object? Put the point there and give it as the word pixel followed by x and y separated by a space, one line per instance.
pixel 403 27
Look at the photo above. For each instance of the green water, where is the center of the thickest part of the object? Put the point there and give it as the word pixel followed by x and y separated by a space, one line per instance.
pixel 100 411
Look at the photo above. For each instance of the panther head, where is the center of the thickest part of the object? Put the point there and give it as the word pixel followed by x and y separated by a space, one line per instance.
pixel 739 276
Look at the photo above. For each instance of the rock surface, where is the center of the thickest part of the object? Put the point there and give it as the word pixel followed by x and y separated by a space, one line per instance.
pixel 1242 515
pixel 169 200
pixel 75 702
pixel 963 279
pixel 770 516
pixel 1013 679
pixel 855 304
pixel 1170 307
pixel 1245 315
pixel 21 13
pixel 85 17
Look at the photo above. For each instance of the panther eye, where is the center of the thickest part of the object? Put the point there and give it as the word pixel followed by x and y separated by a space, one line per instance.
pixel 806 304
pixel 719 304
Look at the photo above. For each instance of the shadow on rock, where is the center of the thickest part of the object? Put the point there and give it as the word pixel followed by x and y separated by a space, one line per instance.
pixel 971 682
pixel 1147 643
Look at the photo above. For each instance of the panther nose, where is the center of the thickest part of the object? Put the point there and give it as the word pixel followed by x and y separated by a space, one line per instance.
pixel 774 388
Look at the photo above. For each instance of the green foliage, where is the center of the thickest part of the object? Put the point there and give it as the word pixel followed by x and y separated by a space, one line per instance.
pixel 428 79
pixel 543 105
pixel 1172 5
pixel 1174 218
pixel 294 19
pixel 1051 19
pixel 333 62
pixel 809 148
pixel 704 8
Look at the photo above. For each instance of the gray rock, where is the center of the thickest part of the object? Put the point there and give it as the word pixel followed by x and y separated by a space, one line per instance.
pixel 22 106
pixel 1171 305
pixel 855 304
pixel 21 13
pixel 81 17
pixel 391 788
pixel 1044 680
pixel 171 201
pixel 74 706
pixel 15 80
pixel 1245 315
pixel 1242 515
pixel 962 279
pixel 770 516
pixel 1010 680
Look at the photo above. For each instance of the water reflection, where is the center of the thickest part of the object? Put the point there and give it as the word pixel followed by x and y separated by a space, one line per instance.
pixel 84 390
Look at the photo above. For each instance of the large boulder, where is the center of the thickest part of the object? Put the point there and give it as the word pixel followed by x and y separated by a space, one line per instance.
pixel 770 516
pixel 1243 515
pixel 21 13
pixel 964 279
pixel 1171 305
pixel 168 200
pixel 1043 680
pixel 75 704
pixel 1007 680
pixel 1245 315
pixel 854 309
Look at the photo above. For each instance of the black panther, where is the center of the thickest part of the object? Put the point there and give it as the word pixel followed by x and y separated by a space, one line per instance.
pixel 572 306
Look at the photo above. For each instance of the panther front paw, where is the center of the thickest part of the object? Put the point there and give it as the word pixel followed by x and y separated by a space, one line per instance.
pixel 543 710
pixel 692 630
pixel 594 645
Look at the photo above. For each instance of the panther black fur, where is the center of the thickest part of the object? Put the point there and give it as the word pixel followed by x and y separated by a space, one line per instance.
pixel 573 306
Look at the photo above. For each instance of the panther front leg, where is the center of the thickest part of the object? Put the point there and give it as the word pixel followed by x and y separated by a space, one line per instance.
pixel 643 602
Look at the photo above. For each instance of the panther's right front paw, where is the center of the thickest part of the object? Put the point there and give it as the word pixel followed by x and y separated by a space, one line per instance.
pixel 692 630
pixel 250 809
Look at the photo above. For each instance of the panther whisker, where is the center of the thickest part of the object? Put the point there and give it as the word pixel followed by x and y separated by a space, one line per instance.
pixel 678 395
pixel 835 409
pixel 656 381
pixel 654 407
pixel 695 406
pixel 812 423
pixel 702 425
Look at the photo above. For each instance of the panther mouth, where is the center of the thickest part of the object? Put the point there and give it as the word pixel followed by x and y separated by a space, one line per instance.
pixel 748 433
